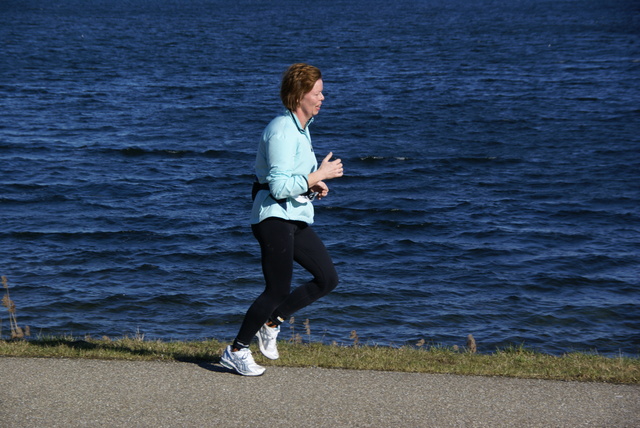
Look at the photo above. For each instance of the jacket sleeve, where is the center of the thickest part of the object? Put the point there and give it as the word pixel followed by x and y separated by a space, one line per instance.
pixel 282 155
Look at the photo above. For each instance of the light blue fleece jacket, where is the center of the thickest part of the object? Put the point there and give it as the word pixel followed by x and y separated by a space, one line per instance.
pixel 285 158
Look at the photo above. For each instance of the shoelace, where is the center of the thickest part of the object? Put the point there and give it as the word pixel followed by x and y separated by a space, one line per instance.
pixel 247 359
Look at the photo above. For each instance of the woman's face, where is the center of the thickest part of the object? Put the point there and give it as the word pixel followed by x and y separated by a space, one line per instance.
pixel 311 101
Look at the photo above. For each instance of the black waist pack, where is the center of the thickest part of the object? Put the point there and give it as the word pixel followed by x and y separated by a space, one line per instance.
pixel 257 186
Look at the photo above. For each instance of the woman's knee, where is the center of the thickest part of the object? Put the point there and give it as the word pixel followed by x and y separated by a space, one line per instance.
pixel 329 282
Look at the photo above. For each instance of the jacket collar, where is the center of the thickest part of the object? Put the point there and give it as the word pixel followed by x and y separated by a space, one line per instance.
pixel 297 122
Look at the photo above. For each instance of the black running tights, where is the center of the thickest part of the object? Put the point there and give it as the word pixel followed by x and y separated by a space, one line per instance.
pixel 281 243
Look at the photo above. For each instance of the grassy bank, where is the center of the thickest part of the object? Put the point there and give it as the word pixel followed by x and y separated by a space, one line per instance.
pixel 511 362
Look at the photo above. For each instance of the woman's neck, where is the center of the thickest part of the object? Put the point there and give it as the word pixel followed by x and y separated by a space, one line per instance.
pixel 304 121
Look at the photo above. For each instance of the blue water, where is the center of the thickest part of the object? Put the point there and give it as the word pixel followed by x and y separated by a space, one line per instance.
pixel 492 155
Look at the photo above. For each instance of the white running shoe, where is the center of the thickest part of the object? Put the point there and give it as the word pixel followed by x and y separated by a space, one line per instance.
pixel 241 361
pixel 267 341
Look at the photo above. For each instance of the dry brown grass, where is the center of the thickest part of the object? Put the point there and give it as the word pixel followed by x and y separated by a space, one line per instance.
pixel 16 331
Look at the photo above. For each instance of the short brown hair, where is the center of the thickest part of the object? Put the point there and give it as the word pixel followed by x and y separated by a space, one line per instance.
pixel 297 81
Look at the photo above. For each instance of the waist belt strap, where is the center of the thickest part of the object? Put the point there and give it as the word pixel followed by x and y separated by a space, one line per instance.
pixel 257 186
pixel 263 186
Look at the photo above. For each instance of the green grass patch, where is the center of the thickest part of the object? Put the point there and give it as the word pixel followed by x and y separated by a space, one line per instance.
pixel 511 362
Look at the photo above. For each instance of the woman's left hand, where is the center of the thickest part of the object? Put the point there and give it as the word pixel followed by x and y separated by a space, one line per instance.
pixel 321 188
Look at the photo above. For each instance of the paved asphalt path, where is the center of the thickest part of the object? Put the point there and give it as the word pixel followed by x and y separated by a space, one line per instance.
pixel 94 393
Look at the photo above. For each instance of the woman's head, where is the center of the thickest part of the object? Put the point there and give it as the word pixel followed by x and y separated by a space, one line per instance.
pixel 297 81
